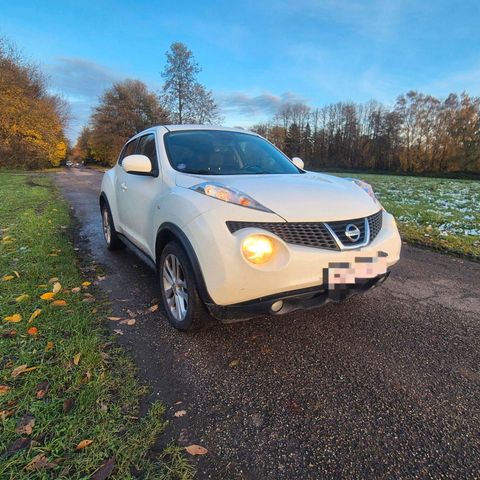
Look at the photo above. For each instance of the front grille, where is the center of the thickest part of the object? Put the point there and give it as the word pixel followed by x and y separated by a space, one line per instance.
pixel 315 234
pixel 298 233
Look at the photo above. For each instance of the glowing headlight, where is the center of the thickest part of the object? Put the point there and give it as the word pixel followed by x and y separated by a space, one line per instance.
pixel 228 194
pixel 366 187
pixel 257 248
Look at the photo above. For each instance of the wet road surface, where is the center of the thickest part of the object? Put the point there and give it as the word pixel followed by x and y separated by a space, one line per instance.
pixel 384 385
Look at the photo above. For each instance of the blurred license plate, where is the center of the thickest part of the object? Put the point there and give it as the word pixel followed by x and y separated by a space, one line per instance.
pixel 362 267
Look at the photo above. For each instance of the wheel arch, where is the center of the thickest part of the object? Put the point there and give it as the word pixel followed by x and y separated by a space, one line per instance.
pixel 168 232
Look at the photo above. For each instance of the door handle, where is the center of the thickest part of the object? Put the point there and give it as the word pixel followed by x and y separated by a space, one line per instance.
pixel 123 186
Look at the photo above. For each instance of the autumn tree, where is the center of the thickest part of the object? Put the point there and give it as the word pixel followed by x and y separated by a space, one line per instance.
pixel 187 99
pixel 125 109
pixel 32 122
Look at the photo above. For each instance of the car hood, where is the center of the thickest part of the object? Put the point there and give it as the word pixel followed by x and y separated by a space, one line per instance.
pixel 304 197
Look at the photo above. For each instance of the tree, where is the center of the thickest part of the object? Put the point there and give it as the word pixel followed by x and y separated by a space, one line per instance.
pixel 32 122
pixel 125 109
pixel 184 96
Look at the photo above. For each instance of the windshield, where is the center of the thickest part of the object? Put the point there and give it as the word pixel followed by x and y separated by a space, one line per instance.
pixel 216 152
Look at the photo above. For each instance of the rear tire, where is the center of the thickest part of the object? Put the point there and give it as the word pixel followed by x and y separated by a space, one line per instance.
pixel 109 234
pixel 182 304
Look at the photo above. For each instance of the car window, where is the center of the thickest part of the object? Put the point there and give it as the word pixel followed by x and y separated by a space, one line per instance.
pixel 217 152
pixel 128 149
pixel 146 146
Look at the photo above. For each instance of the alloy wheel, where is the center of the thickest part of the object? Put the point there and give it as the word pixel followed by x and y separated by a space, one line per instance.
pixel 175 287
pixel 107 233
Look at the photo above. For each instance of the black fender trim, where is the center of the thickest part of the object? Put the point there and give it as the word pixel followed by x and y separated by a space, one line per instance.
pixel 179 235
pixel 104 198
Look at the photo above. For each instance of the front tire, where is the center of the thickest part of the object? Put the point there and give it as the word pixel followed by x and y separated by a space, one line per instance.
pixel 109 233
pixel 182 304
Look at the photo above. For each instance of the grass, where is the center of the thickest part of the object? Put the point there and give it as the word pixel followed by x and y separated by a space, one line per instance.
pixel 439 213
pixel 82 386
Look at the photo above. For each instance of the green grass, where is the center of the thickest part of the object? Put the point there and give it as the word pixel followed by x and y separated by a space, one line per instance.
pixel 436 212
pixel 34 247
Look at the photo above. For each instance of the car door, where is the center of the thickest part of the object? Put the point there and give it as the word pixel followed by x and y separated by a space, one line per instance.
pixel 136 193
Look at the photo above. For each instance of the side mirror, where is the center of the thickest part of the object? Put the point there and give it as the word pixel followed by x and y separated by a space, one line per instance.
pixel 139 164
pixel 298 162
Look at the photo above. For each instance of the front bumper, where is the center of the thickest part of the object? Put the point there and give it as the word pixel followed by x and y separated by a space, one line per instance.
pixel 231 280
pixel 287 302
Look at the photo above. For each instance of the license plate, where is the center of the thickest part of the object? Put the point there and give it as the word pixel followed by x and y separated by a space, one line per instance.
pixel 348 273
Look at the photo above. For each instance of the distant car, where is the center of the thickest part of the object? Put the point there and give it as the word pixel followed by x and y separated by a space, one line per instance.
pixel 231 223
pixel 68 163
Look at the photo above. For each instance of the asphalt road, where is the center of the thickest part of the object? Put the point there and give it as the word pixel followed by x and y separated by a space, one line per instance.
pixel 384 385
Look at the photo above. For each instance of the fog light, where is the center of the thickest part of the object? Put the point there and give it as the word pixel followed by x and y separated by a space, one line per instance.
pixel 257 248
pixel 276 306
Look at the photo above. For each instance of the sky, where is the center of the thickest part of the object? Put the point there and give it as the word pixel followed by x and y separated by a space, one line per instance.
pixel 255 55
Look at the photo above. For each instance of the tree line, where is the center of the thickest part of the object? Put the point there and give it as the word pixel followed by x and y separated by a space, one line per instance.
pixel 419 134
pixel 32 121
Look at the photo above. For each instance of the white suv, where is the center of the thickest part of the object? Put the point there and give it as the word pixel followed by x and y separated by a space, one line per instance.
pixel 232 224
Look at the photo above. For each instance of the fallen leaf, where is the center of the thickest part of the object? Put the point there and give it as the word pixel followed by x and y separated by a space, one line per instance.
pixel 76 289
pixel 42 389
pixel 114 319
pixel 49 346
pixel 6 413
pixel 196 450
pixel 59 303
pixel 39 462
pixel 128 321
pixel 105 470
pixel 132 314
pixel 234 363
pixel 15 318
pixel 68 404
pixel 34 315
pixel 6 278
pixel 86 284
pixel 32 331
pixel 53 280
pixel 8 334
pixel 178 403
pixel 118 332
pixel 153 308
pixel 76 358
pixel 57 286
pixel 83 444
pixel 16 274
pixel 17 445
pixel 180 413
pixel 4 389
pixel 22 298
pixel 22 369
pixel 47 296
pixel 25 425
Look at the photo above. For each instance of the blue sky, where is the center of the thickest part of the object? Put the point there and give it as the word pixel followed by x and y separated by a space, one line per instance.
pixel 255 55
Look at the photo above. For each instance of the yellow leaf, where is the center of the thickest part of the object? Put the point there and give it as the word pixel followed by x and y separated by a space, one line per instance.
pixel 22 369
pixel 15 318
pixel 49 346
pixel 57 286
pixel 59 303
pixel 6 278
pixel 83 444
pixel 53 280
pixel 34 315
pixel 196 450
pixel 47 296
pixel 16 273
pixel 76 358
pixel 22 297
pixel 86 284
pixel 4 389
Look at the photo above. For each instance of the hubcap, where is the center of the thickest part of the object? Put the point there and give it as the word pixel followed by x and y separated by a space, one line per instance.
pixel 175 287
pixel 106 226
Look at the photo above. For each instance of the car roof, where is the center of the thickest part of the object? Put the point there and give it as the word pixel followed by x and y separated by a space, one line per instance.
pixel 174 128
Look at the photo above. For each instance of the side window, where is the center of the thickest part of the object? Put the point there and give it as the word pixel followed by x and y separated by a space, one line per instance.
pixel 128 149
pixel 146 146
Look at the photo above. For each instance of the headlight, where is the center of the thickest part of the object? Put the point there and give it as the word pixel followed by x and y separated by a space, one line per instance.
pixel 257 248
pixel 228 194
pixel 366 187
